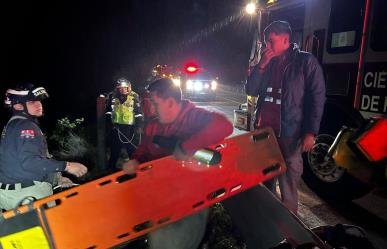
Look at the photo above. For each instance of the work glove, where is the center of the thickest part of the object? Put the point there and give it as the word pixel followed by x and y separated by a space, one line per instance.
pixel 76 169
pixel 179 154
pixel 53 178
pixel 130 167
pixel 65 182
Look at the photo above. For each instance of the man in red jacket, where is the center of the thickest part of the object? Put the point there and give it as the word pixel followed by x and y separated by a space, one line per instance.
pixel 194 128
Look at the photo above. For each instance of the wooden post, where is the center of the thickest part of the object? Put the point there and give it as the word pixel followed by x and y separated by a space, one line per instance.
pixel 101 133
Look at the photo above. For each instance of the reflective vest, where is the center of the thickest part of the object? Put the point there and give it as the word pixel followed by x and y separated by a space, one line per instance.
pixel 123 113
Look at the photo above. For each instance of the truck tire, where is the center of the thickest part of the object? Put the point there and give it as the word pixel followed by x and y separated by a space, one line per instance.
pixel 323 176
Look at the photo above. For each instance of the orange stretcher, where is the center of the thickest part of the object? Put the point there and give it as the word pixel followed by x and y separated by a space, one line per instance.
pixel 118 208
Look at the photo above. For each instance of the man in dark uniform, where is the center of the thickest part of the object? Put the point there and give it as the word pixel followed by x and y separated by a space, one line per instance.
pixel 125 108
pixel 25 167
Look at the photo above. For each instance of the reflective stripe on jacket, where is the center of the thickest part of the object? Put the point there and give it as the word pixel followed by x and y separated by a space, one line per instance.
pixel 303 93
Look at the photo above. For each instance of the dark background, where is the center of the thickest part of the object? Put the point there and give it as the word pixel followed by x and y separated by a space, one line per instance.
pixel 76 49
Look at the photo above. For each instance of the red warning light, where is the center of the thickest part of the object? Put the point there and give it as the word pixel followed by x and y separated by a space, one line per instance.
pixel 191 68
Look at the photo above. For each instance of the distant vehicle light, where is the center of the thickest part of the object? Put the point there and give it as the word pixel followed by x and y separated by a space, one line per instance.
pixel 198 85
pixel 206 86
pixel 214 85
pixel 191 69
pixel 176 81
pixel 189 85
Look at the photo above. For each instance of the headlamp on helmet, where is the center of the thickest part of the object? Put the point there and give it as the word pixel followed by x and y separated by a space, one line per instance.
pixel 122 82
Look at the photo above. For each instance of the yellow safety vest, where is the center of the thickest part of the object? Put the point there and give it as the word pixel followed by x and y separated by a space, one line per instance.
pixel 123 113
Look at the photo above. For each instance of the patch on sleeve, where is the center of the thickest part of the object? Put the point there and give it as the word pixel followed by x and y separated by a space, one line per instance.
pixel 27 134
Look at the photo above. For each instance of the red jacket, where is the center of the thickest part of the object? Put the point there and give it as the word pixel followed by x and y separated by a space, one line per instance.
pixel 194 127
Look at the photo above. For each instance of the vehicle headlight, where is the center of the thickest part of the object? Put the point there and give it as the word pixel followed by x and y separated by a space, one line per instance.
pixel 213 84
pixel 189 85
pixel 176 81
pixel 206 86
pixel 198 86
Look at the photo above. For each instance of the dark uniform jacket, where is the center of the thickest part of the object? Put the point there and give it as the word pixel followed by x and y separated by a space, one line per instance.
pixel 303 93
pixel 24 153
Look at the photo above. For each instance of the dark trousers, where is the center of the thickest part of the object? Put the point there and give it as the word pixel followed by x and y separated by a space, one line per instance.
pixel 290 180
pixel 120 136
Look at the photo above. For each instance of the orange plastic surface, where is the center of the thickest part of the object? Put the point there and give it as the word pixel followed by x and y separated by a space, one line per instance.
pixel 112 210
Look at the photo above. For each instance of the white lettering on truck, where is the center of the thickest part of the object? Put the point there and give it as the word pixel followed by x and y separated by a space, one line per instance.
pixel 374 97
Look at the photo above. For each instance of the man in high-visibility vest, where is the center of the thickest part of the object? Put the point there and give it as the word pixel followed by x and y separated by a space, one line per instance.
pixel 125 108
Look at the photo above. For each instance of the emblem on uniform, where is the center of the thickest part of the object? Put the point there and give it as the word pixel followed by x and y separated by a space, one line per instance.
pixel 27 134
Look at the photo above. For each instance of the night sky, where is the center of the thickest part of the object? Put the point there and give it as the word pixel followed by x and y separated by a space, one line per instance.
pixel 76 49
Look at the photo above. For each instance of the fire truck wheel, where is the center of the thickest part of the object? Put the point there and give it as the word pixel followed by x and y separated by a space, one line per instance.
pixel 325 178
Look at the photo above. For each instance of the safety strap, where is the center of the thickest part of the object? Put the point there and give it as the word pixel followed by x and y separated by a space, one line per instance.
pixel 124 139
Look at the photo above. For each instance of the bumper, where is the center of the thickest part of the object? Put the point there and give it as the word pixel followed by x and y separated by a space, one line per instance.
pixel 200 94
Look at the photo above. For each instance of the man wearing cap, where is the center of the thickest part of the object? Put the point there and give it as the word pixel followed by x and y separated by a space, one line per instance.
pixel 25 167
pixel 125 108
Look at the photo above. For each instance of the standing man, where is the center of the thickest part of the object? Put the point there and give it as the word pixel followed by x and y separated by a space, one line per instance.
pixel 125 107
pixel 194 128
pixel 25 167
pixel 290 87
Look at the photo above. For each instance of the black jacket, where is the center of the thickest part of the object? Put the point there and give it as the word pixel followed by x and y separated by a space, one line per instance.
pixel 303 93
pixel 24 153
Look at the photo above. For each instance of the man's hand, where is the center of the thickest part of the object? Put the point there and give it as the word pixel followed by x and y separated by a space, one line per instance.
pixel 307 142
pixel 76 169
pixel 65 182
pixel 179 154
pixel 130 167
pixel 267 55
